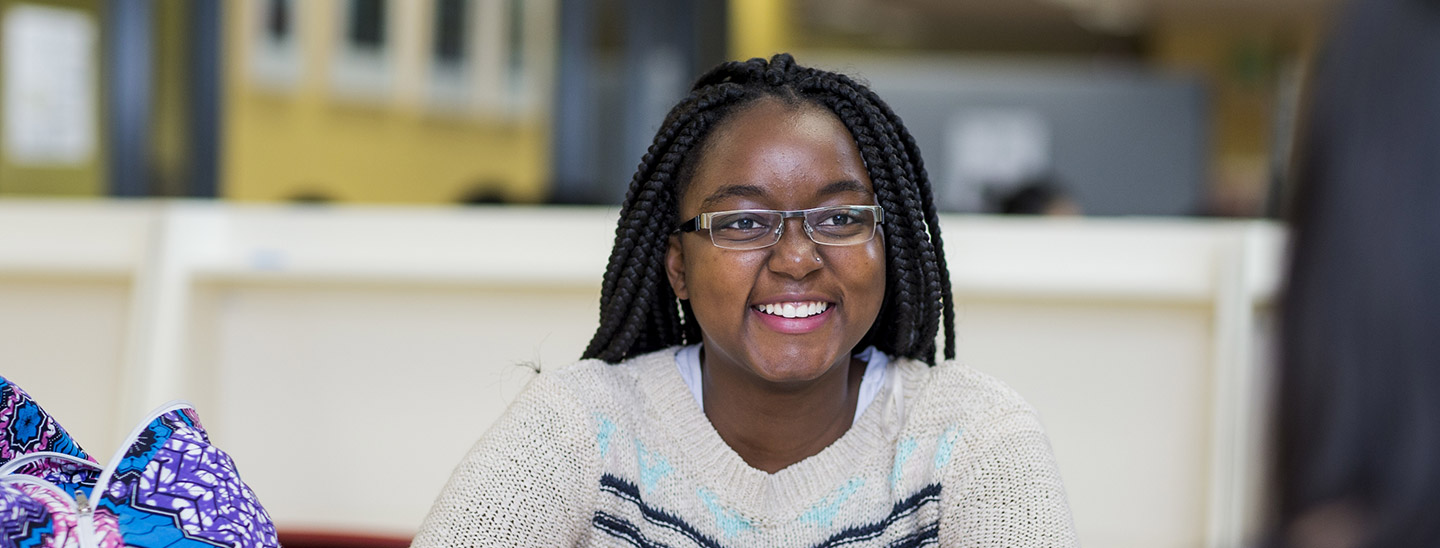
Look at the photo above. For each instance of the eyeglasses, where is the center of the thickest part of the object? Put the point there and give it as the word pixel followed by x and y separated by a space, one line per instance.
pixel 760 228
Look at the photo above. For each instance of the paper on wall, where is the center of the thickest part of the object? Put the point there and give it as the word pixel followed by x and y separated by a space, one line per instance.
pixel 49 86
pixel 992 147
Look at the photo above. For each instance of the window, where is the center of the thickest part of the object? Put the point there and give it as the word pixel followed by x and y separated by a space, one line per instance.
pixel 451 37
pixel 275 59
pixel 277 21
pixel 363 66
pixel 489 57
pixel 365 25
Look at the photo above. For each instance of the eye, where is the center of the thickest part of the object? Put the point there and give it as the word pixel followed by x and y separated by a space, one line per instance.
pixel 840 218
pixel 740 222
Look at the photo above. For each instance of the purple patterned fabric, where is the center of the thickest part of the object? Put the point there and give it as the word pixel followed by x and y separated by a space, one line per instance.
pixel 171 488
pixel 198 484
pixel 21 515
pixel 35 516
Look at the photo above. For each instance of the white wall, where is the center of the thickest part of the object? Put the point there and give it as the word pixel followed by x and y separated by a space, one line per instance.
pixel 326 347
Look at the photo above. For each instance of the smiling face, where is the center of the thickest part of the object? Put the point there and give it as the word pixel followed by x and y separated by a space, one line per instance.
pixel 770 155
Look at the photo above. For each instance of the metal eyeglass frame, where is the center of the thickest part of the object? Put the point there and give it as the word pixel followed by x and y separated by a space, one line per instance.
pixel 703 221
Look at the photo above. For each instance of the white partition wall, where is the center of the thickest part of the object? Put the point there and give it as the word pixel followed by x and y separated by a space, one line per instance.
pixel 330 347
pixel 1138 342
pixel 378 389
pixel 66 278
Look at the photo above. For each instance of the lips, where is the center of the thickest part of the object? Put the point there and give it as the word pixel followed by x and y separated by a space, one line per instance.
pixel 794 315
pixel 799 309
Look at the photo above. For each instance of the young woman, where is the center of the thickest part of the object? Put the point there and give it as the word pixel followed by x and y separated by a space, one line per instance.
pixel 762 371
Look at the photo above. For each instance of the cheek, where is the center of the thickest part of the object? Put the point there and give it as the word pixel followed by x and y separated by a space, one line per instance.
pixel 869 274
pixel 716 280
pixel 871 259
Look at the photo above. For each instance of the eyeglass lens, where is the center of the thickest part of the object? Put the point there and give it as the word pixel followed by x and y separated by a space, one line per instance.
pixel 841 225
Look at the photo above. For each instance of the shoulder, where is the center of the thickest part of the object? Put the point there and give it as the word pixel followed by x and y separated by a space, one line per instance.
pixel 632 372
pixel 952 393
pixel 598 385
pixel 1003 487
pixel 530 475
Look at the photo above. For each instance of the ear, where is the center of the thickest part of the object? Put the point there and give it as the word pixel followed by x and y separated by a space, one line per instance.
pixel 675 267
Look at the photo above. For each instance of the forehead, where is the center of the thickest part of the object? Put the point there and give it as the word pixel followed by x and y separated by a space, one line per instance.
pixel 774 155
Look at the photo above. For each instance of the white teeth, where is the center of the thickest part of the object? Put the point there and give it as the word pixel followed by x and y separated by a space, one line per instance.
pixel 794 310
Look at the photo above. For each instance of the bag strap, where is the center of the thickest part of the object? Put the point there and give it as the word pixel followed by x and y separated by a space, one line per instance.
pixel 22 460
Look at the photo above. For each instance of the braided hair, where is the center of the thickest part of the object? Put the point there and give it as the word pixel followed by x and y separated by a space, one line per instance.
pixel 638 308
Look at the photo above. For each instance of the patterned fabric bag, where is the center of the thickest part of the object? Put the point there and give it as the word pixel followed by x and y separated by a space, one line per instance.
pixel 166 486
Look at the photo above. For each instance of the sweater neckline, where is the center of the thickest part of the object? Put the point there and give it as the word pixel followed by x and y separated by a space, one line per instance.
pixel 687 361
pixel 868 443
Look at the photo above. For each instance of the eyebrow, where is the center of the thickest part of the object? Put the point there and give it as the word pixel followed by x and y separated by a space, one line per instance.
pixel 731 191
pixel 848 185
pixel 752 191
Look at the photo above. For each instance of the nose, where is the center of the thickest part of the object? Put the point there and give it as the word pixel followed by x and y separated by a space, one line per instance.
pixel 795 255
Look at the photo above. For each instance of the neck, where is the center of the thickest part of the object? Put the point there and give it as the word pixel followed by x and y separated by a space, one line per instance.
pixel 772 427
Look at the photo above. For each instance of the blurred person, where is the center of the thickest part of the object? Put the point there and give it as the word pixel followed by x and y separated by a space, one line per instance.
pixel 485 192
pixel 1038 196
pixel 765 371
pixel 1357 422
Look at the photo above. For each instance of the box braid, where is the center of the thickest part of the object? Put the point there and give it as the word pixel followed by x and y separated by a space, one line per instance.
pixel 638 309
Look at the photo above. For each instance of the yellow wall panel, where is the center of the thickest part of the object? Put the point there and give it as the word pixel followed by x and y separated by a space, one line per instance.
pixel 309 140
pixel 759 28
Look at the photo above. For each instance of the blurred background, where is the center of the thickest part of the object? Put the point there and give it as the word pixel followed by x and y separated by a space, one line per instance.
pixel 1154 107
pixel 349 230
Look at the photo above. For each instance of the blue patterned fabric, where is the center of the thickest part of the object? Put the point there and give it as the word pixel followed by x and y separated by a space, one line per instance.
pixel 26 428
pixel 170 488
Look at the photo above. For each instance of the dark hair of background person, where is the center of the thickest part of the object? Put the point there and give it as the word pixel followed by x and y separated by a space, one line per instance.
pixel 1357 416
pixel 1035 196
pixel 639 312
pixel 1031 199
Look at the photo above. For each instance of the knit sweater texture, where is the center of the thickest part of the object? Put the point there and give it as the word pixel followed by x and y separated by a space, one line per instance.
pixel 621 455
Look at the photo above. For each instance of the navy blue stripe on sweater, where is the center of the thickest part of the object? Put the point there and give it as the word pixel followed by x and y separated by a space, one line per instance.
pixel 630 492
pixel 926 536
pixel 930 493
pixel 623 529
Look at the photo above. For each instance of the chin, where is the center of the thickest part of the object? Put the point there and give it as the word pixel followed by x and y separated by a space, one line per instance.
pixel 794 369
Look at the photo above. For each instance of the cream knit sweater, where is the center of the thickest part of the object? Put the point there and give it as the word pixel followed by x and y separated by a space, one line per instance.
pixel 621 455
